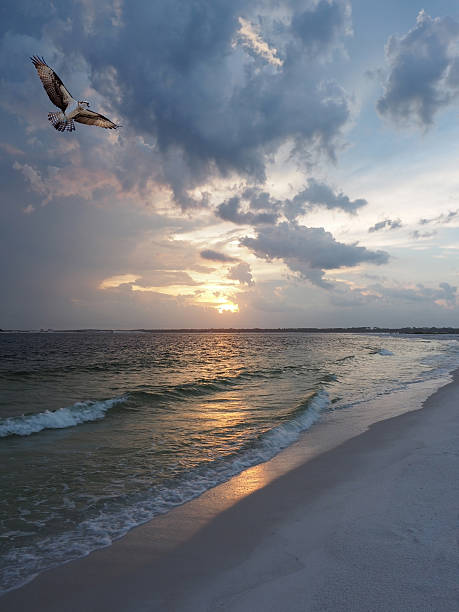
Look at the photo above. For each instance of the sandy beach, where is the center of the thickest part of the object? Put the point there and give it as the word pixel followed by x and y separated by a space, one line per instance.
pixel 369 525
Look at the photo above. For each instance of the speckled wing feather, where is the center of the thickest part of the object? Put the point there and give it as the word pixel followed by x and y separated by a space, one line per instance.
pixel 91 118
pixel 54 87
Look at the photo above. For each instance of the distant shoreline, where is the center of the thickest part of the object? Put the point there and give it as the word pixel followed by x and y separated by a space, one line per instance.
pixel 253 330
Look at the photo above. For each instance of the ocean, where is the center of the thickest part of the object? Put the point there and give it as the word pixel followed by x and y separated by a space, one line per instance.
pixel 100 432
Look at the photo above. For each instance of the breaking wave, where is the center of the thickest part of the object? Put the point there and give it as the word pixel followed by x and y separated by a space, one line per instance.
pixel 94 410
pixel 80 412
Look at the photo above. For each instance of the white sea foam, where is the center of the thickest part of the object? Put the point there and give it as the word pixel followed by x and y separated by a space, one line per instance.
pixel 198 481
pixel 80 412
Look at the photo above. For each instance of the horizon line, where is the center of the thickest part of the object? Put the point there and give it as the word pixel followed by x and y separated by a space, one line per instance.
pixel 362 328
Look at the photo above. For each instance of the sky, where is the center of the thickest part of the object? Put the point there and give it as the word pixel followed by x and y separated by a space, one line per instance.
pixel 281 163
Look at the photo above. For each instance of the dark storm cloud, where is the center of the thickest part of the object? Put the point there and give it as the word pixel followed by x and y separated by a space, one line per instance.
pixel 424 71
pixel 257 207
pixel 309 250
pixel 386 224
pixel 253 206
pixel 260 199
pixel 173 73
pixel 212 255
pixel 231 210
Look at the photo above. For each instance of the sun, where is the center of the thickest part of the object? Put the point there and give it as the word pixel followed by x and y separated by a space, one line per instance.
pixel 228 307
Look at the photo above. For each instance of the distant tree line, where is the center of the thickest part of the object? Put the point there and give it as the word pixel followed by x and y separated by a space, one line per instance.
pixel 312 330
pixel 261 330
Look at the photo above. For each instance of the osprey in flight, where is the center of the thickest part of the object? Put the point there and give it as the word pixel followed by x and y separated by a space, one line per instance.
pixel 60 97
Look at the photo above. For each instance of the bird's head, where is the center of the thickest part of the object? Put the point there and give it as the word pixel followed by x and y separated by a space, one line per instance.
pixel 83 103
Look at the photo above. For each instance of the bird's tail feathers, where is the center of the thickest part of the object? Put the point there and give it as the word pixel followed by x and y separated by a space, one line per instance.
pixel 61 124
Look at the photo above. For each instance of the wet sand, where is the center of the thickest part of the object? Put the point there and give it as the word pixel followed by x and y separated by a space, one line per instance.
pixel 369 525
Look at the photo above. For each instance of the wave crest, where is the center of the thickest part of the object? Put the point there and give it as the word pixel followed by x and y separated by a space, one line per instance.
pixel 80 412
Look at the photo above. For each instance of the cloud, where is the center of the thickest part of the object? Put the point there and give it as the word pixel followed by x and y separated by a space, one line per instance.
pixel 309 250
pixel 241 273
pixel 321 26
pixel 94 169
pixel 33 178
pixel 423 71
pixel 255 206
pixel 449 297
pixel 206 105
pixel 386 224
pixel 417 235
pixel 349 297
pixel 68 181
pixel 319 194
pixel 212 255
pixel 165 278
pixel 11 150
pixel 118 280
pixel 202 89
pixel 346 295
pixel 443 218
pixel 251 39
pixel 444 296
pixel 231 210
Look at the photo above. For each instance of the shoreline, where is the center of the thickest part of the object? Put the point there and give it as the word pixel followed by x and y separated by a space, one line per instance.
pixel 255 552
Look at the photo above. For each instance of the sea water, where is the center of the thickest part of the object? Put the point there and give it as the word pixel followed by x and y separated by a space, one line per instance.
pixel 100 432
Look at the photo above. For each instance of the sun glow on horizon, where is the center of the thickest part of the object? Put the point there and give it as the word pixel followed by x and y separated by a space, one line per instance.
pixel 213 292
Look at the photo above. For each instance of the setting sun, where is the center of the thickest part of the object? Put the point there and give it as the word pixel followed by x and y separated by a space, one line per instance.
pixel 228 307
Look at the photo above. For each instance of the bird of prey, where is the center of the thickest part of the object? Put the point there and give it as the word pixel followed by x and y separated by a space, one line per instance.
pixel 71 109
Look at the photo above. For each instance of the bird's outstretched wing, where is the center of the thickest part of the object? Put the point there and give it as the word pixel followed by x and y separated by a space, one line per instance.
pixel 54 87
pixel 91 118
